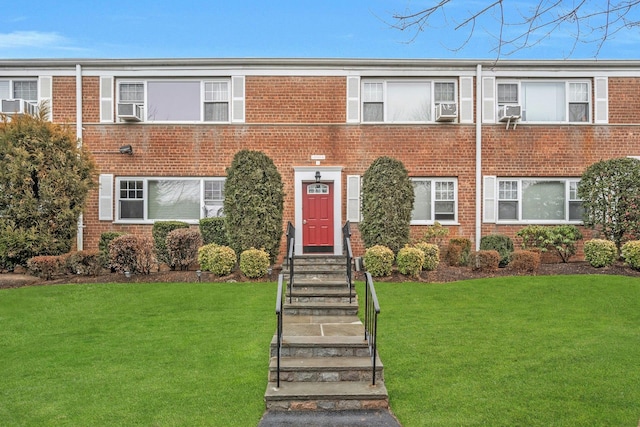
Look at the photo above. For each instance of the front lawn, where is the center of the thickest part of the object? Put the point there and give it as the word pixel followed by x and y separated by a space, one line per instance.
pixel 534 351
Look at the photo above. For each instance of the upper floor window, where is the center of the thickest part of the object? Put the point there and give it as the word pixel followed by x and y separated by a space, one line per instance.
pixel 404 101
pixel 548 100
pixel 436 199
pixel 187 199
pixel 174 101
pixel 539 200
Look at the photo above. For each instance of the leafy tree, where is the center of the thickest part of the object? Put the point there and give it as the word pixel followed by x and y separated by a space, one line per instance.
pixel 44 182
pixel 610 193
pixel 253 203
pixel 387 202
pixel 515 26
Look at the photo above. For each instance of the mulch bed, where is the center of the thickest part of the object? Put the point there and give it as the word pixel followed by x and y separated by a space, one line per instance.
pixel 442 274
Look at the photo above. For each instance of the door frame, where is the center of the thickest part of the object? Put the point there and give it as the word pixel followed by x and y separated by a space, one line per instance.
pixel 329 174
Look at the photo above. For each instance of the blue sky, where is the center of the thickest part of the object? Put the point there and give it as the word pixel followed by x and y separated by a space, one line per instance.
pixel 273 29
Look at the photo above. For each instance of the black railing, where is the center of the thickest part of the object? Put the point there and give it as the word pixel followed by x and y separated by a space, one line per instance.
pixel 291 240
pixel 279 329
pixel 346 243
pixel 371 311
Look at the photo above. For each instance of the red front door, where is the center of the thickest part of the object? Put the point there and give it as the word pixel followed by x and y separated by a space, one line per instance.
pixel 317 217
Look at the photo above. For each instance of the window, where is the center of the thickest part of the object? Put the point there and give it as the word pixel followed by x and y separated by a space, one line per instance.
pixel 404 101
pixel 179 100
pixel 539 200
pixel 19 89
pixel 435 200
pixel 548 101
pixel 186 199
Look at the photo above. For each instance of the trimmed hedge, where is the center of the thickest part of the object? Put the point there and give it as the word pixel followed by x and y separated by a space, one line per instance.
pixel 220 260
pixel 500 243
pixel 410 261
pixel 213 230
pixel 160 231
pixel 103 246
pixel 182 247
pixel 132 253
pixel 86 263
pixel 524 262
pixel 600 253
pixel 631 254
pixel 45 266
pixel 431 253
pixel 458 252
pixel 486 260
pixel 378 260
pixel 254 263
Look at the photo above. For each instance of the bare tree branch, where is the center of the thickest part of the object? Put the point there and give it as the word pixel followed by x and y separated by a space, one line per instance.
pixel 587 21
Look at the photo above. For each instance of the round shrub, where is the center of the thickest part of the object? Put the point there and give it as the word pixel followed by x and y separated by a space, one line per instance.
pixel 631 254
pixel 458 251
pixel 45 266
pixel 410 261
pixel 182 247
pixel 486 260
pixel 524 262
pixel 498 242
pixel 220 260
pixel 254 263
pixel 103 246
pixel 431 253
pixel 132 253
pixel 600 252
pixel 86 263
pixel 160 231
pixel 378 260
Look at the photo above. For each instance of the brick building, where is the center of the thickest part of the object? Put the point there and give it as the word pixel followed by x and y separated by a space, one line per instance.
pixel 490 147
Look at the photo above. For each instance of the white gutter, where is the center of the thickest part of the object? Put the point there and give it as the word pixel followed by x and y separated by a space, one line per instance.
pixel 478 155
pixel 80 232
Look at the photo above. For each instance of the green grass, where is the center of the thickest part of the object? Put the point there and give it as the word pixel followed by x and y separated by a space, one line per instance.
pixel 531 351
pixel 133 354
pixel 528 351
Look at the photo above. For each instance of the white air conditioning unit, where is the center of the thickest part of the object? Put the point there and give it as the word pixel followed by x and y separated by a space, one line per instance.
pixel 130 112
pixel 18 106
pixel 446 112
pixel 508 113
pixel 213 211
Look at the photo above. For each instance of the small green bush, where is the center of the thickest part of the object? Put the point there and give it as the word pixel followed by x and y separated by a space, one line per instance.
pixel 458 252
pixel 498 242
pixel 103 246
pixel 410 261
pixel 160 231
pixel 600 252
pixel 524 262
pixel 435 234
pixel 45 266
pixel 378 260
pixel 132 253
pixel 534 237
pixel 631 254
pixel 561 238
pixel 213 231
pixel 254 263
pixel 431 253
pixel 486 260
pixel 220 260
pixel 86 263
pixel 182 247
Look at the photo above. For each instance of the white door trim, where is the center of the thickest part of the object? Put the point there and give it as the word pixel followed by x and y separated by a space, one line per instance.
pixel 329 174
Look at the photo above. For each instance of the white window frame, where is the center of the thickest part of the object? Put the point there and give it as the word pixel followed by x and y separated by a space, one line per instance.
pixel 202 101
pixel 204 203
pixel 385 92
pixel 11 82
pixel 567 102
pixel 432 208
pixel 519 200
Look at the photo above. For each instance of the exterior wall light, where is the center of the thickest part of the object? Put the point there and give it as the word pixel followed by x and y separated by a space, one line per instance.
pixel 126 149
pixel 318 176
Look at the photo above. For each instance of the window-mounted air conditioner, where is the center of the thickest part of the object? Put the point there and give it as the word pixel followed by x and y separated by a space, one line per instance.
pixel 509 112
pixel 130 112
pixel 17 106
pixel 213 211
pixel 446 112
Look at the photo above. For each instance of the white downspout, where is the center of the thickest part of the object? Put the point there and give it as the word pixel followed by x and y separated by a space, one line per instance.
pixel 80 233
pixel 478 155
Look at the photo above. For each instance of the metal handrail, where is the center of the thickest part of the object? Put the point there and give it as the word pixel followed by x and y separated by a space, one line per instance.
pixel 291 240
pixel 346 238
pixel 371 312
pixel 279 333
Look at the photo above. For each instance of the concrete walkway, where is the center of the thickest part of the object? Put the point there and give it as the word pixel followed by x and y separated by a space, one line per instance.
pixel 372 418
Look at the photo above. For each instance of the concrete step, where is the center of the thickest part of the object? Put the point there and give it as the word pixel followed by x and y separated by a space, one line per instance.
pixel 325 369
pixel 320 308
pixel 319 276
pixel 340 294
pixel 321 346
pixel 319 259
pixel 328 396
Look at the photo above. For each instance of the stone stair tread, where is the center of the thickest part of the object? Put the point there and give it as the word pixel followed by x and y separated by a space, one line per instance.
pixel 314 304
pixel 321 363
pixel 340 292
pixel 310 341
pixel 345 390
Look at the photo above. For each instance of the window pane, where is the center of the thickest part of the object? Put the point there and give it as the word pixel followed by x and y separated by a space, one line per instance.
pixel 216 111
pixel 508 190
pixel 508 210
pixel 372 112
pixel 578 112
pixel 543 200
pixel 27 90
pixel 578 92
pixel 576 211
pixel 131 209
pixel 444 191
pixel 543 101
pixel 507 93
pixel 372 92
pixel 213 191
pixel 444 211
pixel 132 92
pixel 444 92
pixel 408 101
pixel 216 91
pixel 174 199
pixel 173 101
pixel 422 202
